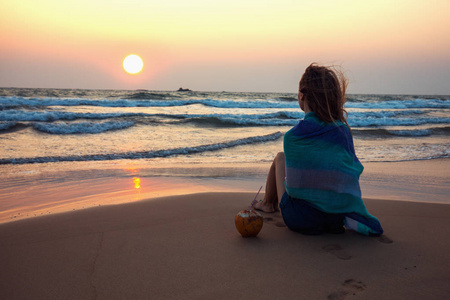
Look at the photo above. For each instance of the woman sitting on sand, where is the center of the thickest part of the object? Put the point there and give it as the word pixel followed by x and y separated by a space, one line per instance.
pixel 317 175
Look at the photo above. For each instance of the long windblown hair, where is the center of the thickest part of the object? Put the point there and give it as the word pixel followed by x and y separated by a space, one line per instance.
pixel 324 89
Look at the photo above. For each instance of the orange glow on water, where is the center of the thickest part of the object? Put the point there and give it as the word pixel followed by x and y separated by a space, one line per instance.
pixel 137 182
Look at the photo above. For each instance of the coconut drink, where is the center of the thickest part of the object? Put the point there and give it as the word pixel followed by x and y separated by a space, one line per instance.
pixel 249 222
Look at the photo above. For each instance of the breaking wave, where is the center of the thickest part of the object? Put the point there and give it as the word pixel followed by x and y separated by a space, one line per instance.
pixel 81 127
pixel 147 154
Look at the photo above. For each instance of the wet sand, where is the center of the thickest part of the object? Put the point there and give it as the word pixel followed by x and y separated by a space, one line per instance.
pixel 53 191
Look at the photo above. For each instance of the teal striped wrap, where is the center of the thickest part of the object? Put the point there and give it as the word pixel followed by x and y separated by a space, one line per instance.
pixel 323 169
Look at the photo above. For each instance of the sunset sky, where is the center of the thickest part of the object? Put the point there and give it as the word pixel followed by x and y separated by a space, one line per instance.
pixel 395 47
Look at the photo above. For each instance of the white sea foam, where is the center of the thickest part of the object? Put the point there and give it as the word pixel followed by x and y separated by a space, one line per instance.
pixel 416 132
pixel 281 118
pixel 383 122
pixel 400 104
pixel 19 101
pixel 50 116
pixel 15 101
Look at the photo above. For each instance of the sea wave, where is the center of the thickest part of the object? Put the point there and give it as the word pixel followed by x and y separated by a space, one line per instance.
pixel 214 121
pixel 157 100
pixel 7 125
pixel 287 98
pixel 146 95
pixel 15 102
pixel 82 127
pixel 148 154
pixel 400 104
pixel 50 116
pixel 280 118
pixel 33 115
pixel 384 122
pixel 265 120
pixel 416 132
pixel 413 132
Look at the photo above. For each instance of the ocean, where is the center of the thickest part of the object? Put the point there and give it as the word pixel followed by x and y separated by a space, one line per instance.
pixel 51 126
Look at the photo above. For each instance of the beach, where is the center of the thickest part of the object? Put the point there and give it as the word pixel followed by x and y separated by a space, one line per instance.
pixel 181 243
pixel 136 137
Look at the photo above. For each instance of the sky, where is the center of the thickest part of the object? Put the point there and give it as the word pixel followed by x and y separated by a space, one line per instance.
pixel 384 47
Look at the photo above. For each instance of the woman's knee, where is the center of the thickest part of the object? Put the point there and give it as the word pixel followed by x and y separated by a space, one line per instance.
pixel 280 156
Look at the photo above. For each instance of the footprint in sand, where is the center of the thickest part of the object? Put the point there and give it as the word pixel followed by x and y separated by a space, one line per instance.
pixel 384 239
pixel 353 285
pixel 278 223
pixel 349 287
pixel 337 251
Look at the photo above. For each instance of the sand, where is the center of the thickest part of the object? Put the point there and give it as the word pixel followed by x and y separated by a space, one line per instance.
pixel 187 247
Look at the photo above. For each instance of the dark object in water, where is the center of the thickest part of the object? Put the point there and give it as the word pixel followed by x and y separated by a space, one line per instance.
pixel 183 90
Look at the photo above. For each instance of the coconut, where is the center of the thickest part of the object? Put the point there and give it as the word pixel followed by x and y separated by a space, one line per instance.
pixel 249 222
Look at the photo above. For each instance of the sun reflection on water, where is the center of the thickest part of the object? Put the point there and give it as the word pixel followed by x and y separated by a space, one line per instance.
pixel 137 182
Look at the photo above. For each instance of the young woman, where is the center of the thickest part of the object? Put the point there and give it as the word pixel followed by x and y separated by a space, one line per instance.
pixel 315 181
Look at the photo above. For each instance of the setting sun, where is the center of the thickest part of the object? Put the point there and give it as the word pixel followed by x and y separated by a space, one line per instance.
pixel 133 64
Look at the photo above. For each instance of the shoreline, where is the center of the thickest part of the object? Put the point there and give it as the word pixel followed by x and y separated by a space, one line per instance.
pixel 56 192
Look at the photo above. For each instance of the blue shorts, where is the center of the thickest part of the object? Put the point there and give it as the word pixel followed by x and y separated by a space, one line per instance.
pixel 301 216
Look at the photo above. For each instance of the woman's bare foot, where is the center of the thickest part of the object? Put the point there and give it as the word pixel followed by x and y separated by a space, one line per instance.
pixel 275 207
pixel 263 206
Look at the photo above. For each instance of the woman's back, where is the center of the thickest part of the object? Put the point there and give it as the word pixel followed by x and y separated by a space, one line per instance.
pixel 319 168
pixel 321 165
